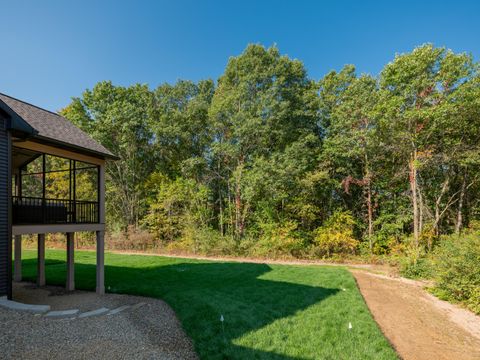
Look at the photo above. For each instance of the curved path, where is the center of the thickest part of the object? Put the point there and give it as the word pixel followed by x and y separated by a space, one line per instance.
pixel 417 324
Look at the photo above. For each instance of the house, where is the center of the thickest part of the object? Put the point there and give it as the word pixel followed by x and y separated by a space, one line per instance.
pixel 44 161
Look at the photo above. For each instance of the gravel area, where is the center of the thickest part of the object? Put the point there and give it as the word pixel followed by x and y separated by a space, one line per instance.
pixel 151 331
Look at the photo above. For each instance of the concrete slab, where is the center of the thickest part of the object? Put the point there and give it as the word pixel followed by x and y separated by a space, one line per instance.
pixel 62 313
pixel 117 310
pixel 13 305
pixel 139 305
pixel 97 312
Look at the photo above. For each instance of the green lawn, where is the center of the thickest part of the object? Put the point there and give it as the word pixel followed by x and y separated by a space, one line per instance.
pixel 270 311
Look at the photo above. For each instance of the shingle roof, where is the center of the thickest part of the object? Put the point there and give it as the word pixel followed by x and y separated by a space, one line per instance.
pixel 52 126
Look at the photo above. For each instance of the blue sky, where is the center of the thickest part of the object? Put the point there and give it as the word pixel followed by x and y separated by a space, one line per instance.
pixel 54 50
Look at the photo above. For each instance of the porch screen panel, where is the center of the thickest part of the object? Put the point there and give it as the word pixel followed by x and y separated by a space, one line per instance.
pixel 32 179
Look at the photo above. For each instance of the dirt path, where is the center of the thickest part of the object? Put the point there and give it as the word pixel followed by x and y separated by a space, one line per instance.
pixel 417 324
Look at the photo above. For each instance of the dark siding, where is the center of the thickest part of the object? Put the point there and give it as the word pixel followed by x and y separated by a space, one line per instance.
pixel 5 239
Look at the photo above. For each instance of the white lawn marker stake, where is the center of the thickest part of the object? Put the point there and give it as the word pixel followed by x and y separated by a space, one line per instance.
pixel 350 326
pixel 223 327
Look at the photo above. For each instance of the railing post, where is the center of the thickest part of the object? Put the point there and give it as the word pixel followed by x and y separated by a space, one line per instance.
pixel 74 191
pixel 44 169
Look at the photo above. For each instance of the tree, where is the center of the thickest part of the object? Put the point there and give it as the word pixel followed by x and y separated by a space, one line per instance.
pixel 180 126
pixel 261 161
pixel 421 89
pixel 118 117
pixel 263 103
pixel 352 146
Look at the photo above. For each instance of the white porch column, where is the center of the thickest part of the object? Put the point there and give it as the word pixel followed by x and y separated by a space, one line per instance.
pixel 17 262
pixel 100 263
pixel 70 286
pixel 41 260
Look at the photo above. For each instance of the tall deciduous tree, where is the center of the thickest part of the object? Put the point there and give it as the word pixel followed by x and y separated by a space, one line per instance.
pixel 263 103
pixel 422 100
pixel 180 126
pixel 352 145
pixel 118 117
pixel 267 156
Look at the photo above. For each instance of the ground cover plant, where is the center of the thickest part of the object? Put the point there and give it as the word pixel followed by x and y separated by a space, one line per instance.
pixel 269 311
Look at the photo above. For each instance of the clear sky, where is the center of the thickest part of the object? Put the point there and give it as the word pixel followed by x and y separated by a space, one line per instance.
pixel 54 50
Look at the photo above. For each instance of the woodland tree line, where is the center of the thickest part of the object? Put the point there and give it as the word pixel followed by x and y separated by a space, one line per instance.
pixel 269 162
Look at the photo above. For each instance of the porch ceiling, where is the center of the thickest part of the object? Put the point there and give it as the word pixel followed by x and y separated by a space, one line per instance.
pixel 22 157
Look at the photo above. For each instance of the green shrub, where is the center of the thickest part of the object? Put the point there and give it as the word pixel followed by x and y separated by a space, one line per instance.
pixel 388 234
pixel 414 262
pixel 420 268
pixel 336 235
pixel 278 240
pixel 203 241
pixel 457 267
pixel 176 205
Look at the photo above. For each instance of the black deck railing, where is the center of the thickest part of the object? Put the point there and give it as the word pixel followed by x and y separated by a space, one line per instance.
pixel 33 210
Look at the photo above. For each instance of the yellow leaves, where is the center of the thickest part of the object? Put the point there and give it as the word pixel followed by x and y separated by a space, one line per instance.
pixel 336 235
pixel 279 240
pixel 425 154
pixel 336 242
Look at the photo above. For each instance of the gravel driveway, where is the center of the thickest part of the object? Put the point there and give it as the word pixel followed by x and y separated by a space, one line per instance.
pixel 150 331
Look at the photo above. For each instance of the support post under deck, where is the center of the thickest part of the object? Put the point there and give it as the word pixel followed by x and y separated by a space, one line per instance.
pixel 17 262
pixel 70 286
pixel 41 260
pixel 100 263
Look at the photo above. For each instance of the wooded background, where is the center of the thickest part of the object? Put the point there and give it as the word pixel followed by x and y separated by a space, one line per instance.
pixel 269 162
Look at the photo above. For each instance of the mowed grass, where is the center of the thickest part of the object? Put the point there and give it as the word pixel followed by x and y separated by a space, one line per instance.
pixel 269 311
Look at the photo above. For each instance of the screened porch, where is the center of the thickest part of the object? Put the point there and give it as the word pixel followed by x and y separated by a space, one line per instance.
pixel 49 189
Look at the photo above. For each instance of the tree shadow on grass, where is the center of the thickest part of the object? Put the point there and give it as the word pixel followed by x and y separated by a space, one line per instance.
pixel 200 293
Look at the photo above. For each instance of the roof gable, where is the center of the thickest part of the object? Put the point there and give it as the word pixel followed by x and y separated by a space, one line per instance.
pixel 51 126
pixel 13 121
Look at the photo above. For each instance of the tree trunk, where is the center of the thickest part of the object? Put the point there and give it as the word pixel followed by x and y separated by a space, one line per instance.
pixel 413 188
pixel 461 200
pixel 420 208
pixel 231 227
pixel 238 207
pixel 368 183
pixel 438 201
pixel 370 216
pixel 239 219
pixel 222 231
